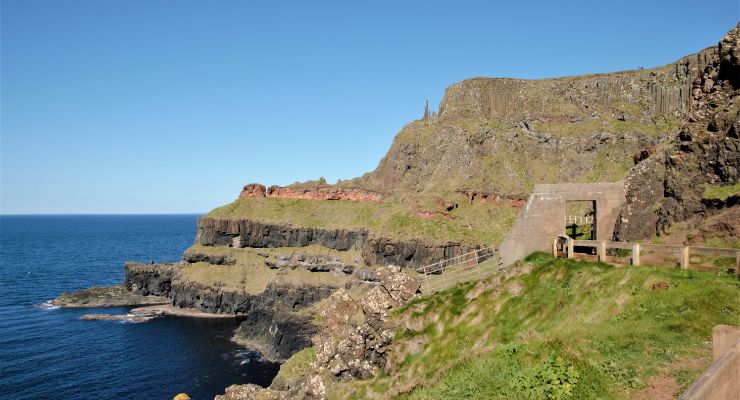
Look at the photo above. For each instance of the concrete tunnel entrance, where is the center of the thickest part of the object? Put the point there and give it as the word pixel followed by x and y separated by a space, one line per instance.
pixel 587 211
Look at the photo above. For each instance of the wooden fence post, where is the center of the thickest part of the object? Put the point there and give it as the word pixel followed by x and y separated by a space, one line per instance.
pixel 601 251
pixel 555 248
pixel 685 257
pixel 570 248
pixel 635 254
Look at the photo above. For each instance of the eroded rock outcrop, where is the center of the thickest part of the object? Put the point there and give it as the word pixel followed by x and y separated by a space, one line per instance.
pixel 276 333
pixel 480 197
pixel 668 187
pixel 323 193
pixel 311 262
pixel 253 190
pixel 106 296
pixel 149 279
pixel 194 256
pixel 352 340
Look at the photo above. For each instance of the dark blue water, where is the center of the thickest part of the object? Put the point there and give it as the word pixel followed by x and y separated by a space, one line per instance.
pixel 51 354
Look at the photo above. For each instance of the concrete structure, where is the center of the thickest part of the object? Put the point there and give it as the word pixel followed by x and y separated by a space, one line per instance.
pixel 721 381
pixel 543 217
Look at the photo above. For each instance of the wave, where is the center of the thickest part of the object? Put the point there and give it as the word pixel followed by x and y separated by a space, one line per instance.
pixel 47 305
pixel 244 357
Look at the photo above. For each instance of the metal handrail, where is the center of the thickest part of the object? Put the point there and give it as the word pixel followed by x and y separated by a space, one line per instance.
pixel 456 269
pixel 419 269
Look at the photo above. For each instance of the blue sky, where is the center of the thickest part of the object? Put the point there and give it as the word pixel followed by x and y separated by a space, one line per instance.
pixel 157 106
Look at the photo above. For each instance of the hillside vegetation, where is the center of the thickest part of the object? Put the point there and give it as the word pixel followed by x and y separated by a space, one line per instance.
pixel 562 329
pixel 392 218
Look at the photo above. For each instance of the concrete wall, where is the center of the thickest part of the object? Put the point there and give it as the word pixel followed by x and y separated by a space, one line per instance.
pixel 543 217
pixel 721 381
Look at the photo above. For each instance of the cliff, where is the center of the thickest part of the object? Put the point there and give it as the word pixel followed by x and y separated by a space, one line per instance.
pixel 505 135
pixel 679 184
pixel 241 233
pixel 458 176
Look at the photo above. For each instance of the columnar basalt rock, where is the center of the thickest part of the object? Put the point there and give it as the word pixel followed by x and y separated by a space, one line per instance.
pixel 188 294
pixel 664 90
pixel 276 333
pixel 412 253
pixel 248 233
pixel 668 187
pixel 149 279
pixel 375 250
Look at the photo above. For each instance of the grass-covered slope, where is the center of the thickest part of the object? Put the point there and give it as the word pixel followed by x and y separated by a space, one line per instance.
pixel 565 329
pixel 393 218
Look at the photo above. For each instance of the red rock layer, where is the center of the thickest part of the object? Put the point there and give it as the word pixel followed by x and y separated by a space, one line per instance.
pixel 323 193
pixel 493 198
pixel 253 190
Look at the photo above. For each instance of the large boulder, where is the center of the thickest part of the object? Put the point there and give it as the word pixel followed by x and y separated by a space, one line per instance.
pixel 253 190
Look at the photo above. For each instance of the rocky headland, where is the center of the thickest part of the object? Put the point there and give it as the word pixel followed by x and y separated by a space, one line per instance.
pixel 106 296
pixel 324 276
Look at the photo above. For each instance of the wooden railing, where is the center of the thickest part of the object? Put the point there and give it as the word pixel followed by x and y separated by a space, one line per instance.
pixel 628 253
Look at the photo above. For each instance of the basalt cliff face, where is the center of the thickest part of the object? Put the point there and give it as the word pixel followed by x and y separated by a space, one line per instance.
pixel 676 185
pixel 557 130
pixel 241 233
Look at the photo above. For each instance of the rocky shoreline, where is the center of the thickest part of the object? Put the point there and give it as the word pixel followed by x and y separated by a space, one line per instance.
pixel 106 296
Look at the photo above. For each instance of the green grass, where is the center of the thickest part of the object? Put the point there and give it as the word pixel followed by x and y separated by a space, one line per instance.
pixel 583 232
pixel 486 224
pixel 249 274
pixel 296 365
pixel 587 126
pixel 611 326
pixel 721 192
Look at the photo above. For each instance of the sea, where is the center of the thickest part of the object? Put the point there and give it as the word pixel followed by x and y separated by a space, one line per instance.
pixel 49 353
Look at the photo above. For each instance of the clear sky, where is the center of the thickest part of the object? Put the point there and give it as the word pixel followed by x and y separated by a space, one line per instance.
pixel 160 106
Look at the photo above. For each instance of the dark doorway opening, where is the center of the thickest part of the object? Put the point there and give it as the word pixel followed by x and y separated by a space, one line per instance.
pixel 580 219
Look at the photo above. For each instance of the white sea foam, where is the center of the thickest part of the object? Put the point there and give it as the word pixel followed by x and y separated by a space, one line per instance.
pixel 244 357
pixel 47 305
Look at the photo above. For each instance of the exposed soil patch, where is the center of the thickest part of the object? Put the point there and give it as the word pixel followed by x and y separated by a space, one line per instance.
pixel 663 387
